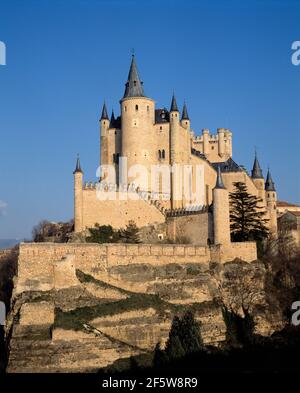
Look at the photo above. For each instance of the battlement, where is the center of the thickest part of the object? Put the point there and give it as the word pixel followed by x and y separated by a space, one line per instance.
pixel 38 261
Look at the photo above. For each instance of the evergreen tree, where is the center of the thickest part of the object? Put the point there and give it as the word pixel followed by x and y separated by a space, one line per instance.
pixel 239 330
pixel 184 336
pixel 131 233
pixel 247 220
pixel 160 357
pixel 190 336
pixel 102 234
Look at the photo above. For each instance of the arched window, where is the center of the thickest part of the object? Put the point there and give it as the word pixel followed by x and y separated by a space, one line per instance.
pixel 125 108
pixel 163 154
pixel 148 108
pixel 159 154
pixel 136 107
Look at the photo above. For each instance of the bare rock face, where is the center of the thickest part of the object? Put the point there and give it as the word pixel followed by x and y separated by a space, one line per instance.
pixel 85 323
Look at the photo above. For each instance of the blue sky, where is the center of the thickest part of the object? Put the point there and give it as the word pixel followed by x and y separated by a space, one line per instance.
pixel 230 61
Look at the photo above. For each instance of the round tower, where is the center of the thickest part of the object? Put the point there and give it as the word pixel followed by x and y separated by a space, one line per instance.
pixel 271 198
pixel 206 149
pixel 104 145
pixel 78 197
pixel 221 141
pixel 258 178
pixel 221 212
pixel 137 118
pixel 175 149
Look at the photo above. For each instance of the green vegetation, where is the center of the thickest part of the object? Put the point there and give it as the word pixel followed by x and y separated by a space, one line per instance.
pixel 130 234
pixel 247 220
pixel 103 234
pixel 107 234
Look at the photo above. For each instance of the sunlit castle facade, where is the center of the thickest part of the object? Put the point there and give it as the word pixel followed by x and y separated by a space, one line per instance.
pixel 153 166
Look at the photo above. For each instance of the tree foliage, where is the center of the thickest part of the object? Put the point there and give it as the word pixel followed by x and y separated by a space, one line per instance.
pixel 103 234
pixel 184 336
pixel 247 216
pixel 130 234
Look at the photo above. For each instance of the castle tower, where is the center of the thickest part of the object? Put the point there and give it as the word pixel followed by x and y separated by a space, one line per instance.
pixel 185 120
pixel 205 133
pixel 221 212
pixel 258 178
pixel 271 198
pixel 137 117
pixel 78 197
pixel 104 143
pixel 221 142
pixel 175 148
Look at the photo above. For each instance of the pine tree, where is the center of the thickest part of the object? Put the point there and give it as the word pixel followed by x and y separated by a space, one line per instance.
pixel 184 336
pixel 102 234
pixel 190 336
pixel 131 233
pixel 247 220
pixel 160 357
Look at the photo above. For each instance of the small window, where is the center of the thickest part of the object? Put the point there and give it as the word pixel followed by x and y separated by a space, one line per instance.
pixel 160 128
pixel 134 83
pixel 163 155
pixel 148 108
pixel 159 154
pixel 136 107
pixel 212 148
pixel 268 195
pixel 125 108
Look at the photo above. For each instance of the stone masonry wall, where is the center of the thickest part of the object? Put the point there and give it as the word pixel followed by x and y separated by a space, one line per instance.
pixel 38 261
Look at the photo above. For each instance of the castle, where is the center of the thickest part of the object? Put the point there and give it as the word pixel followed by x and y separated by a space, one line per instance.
pixel 160 146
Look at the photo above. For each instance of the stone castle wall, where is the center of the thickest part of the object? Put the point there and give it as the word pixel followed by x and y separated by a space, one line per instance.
pixel 38 262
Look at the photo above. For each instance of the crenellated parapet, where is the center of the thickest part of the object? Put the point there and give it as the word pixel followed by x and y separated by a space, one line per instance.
pixel 215 147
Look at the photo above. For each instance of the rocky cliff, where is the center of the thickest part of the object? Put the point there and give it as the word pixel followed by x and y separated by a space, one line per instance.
pixel 90 318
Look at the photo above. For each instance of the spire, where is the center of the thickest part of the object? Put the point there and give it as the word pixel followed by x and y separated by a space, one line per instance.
pixel 174 106
pixel 219 182
pixel 78 167
pixel 133 86
pixel 104 115
pixel 256 172
pixel 185 115
pixel 269 185
pixel 112 119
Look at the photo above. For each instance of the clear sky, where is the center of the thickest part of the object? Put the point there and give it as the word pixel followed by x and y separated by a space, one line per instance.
pixel 230 61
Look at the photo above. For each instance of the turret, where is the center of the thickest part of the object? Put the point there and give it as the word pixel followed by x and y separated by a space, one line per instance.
pixel 137 117
pixel 104 144
pixel 185 120
pixel 258 178
pixel 78 197
pixel 206 149
pixel 221 211
pixel 175 148
pixel 228 144
pixel 221 142
pixel 271 198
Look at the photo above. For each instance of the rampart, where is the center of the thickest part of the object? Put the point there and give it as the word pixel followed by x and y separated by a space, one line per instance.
pixel 38 261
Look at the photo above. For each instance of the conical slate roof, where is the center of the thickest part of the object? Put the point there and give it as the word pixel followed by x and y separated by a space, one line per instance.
pixel 256 172
pixel 133 86
pixel 185 115
pixel 174 106
pixel 219 182
pixel 104 115
pixel 78 167
pixel 269 185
